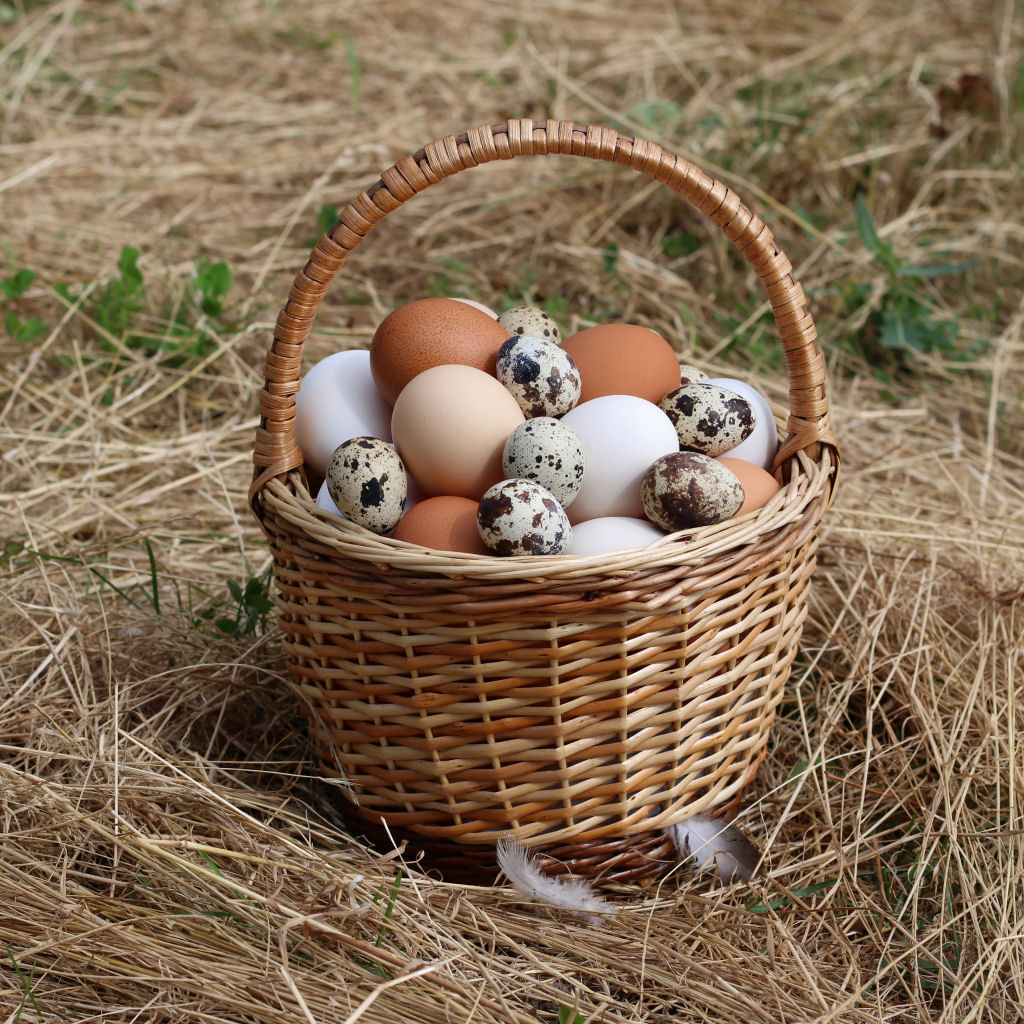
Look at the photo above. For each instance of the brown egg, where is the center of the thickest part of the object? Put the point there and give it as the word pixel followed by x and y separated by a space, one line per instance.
pixel 759 486
pixel 623 359
pixel 446 523
pixel 431 332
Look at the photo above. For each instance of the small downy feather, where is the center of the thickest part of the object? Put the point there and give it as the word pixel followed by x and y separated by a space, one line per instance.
pixel 524 873
pixel 710 840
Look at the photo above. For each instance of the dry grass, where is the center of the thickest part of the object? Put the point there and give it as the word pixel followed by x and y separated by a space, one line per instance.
pixel 168 852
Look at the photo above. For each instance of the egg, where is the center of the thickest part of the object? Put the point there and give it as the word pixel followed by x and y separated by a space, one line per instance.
pixel 445 522
pixel 708 418
pixel 367 483
pixel 759 486
pixel 325 502
pixel 337 399
pixel 763 442
pixel 478 305
pixel 621 436
pixel 690 374
pixel 688 489
pixel 548 452
pixel 623 359
pixel 530 320
pixel 450 424
pixel 427 333
pixel 541 377
pixel 519 517
pixel 611 533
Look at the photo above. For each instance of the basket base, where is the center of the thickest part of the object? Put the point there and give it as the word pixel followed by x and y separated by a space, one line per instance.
pixel 639 859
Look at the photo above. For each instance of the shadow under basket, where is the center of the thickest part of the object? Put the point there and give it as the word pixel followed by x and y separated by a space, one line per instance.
pixel 582 704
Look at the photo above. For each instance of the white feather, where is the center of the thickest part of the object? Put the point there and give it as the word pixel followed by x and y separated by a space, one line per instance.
pixel 523 872
pixel 711 842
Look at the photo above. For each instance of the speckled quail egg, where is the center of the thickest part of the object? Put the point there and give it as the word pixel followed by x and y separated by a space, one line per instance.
pixel 367 481
pixel 530 320
pixel 689 374
pixel 542 377
pixel 519 517
pixel 709 418
pixel 687 489
pixel 548 452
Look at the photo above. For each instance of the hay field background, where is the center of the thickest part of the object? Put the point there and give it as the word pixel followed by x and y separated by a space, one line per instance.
pixel 168 852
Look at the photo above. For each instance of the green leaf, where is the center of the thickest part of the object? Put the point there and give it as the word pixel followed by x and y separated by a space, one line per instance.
pixel 30 330
pixel 871 239
pixel 215 279
pixel 18 283
pixel 683 244
pixel 610 257
pixel 127 265
pixel 567 1015
pixel 907 325
pixel 938 270
pixel 327 218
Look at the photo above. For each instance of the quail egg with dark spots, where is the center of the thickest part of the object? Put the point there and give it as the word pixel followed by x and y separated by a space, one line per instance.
pixel 519 517
pixel 367 481
pixel 548 452
pixel 709 418
pixel 542 377
pixel 530 320
pixel 687 489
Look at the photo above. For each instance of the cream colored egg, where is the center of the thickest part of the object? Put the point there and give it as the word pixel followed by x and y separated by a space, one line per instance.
pixel 450 424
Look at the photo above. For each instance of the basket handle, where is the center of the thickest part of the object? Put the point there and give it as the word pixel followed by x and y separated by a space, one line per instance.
pixel 276 452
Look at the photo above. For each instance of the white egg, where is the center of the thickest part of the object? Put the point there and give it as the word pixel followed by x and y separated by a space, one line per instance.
pixel 477 305
pixel 338 400
pixel 763 441
pixel 621 436
pixel 326 502
pixel 611 533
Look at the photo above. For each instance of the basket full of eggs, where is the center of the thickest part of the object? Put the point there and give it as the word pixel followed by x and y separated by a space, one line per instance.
pixel 537 586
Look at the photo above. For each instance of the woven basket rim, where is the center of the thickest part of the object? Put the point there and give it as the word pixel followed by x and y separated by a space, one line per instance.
pixel 805 491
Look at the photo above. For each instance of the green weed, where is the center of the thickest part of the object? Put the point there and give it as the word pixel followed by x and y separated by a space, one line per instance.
pixel 680 243
pixel 26 989
pixel 568 1015
pixel 249 605
pixel 457 280
pixel 326 218
pixel 186 330
pixel 12 288
pixel 253 604
pixel 376 965
pixel 902 324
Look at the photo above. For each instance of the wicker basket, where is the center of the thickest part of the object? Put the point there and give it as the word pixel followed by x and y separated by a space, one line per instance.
pixel 582 704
